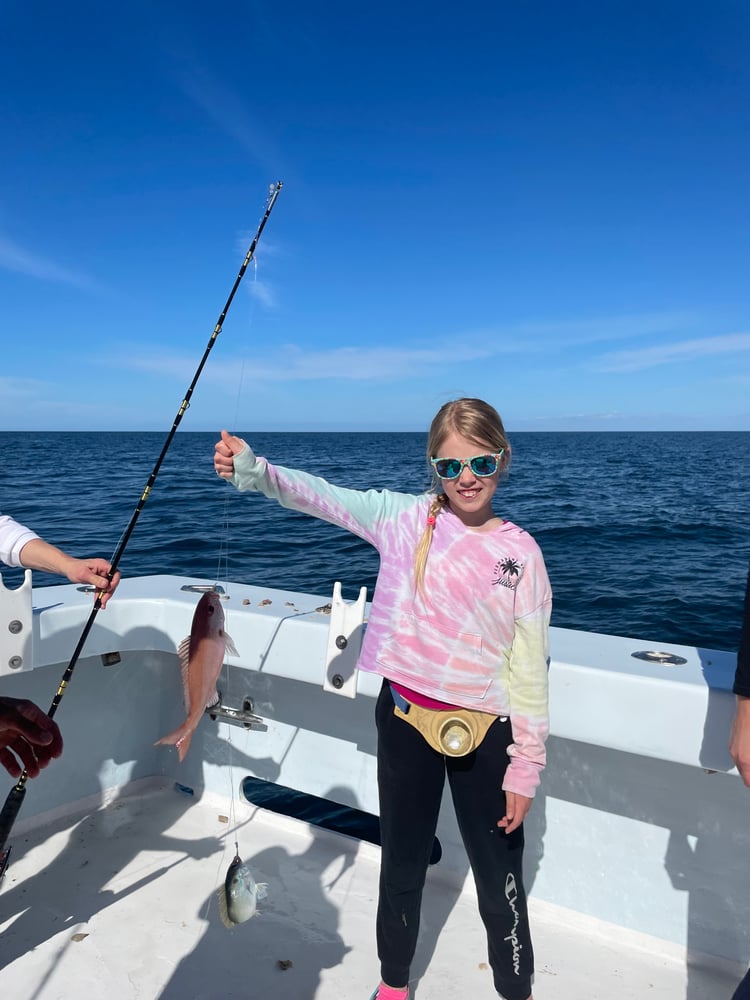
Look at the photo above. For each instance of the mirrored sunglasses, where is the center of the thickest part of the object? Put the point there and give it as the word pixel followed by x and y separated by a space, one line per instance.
pixel 480 465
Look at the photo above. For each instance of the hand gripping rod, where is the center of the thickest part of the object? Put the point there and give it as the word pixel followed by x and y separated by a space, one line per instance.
pixel 16 795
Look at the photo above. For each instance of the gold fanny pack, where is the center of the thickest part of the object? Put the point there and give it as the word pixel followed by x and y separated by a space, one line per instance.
pixel 453 732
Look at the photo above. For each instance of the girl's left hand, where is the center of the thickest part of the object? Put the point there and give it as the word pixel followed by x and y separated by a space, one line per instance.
pixel 516 807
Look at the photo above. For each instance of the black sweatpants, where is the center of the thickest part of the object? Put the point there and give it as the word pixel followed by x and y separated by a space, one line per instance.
pixel 411 776
pixel 743 990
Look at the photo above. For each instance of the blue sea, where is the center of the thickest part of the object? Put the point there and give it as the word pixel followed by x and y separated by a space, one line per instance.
pixel 644 534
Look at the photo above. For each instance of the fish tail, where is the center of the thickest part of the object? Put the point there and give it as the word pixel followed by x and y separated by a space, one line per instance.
pixel 183 746
pixel 180 738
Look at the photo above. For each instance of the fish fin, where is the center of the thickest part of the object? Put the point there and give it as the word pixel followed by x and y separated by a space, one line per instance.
pixel 213 699
pixel 261 890
pixel 221 895
pixel 183 651
pixel 231 649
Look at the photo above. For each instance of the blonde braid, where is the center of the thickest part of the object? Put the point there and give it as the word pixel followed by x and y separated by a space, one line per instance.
pixel 423 548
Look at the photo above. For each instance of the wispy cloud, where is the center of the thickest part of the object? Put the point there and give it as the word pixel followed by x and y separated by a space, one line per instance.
pixel 363 363
pixel 591 330
pixel 263 292
pixel 15 258
pixel 260 290
pixel 553 336
pixel 294 364
pixel 13 390
pixel 24 401
pixel 229 113
pixel 684 350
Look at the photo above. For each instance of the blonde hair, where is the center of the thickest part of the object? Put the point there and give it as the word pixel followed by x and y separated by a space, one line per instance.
pixel 472 419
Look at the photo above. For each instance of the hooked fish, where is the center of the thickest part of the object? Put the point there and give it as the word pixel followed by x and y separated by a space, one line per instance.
pixel 239 895
pixel 202 657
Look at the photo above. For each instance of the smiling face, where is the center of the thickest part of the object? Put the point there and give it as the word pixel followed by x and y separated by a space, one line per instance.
pixel 469 496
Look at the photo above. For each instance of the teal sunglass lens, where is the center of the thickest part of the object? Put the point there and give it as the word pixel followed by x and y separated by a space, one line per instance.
pixel 484 465
pixel 449 468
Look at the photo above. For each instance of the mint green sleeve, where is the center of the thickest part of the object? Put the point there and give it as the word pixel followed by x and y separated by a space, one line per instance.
pixel 362 512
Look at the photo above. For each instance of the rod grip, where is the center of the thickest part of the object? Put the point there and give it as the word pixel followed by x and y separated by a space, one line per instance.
pixel 12 805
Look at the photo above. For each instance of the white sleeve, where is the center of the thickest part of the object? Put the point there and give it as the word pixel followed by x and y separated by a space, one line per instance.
pixel 13 537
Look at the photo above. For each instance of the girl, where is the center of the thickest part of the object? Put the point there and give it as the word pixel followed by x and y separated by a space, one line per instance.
pixel 458 629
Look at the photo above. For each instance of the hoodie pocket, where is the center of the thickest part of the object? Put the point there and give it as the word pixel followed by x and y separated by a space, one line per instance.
pixel 434 654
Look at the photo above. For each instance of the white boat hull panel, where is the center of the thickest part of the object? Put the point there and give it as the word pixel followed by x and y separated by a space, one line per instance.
pixel 636 857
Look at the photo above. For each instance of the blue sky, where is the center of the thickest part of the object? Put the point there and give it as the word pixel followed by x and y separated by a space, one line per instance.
pixel 539 203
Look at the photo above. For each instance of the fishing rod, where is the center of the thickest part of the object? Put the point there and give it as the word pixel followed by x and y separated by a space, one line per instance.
pixel 17 793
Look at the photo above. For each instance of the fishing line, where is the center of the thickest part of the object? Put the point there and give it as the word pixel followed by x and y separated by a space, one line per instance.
pixel 223 561
pixel 223 558
pixel 16 795
pixel 222 573
pixel 225 552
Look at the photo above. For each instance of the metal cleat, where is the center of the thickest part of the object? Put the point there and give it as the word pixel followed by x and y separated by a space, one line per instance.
pixel 238 716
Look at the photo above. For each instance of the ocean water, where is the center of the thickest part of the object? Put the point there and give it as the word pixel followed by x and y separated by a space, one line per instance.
pixel 644 534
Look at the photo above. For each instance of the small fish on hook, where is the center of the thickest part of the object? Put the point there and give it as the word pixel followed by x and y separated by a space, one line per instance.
pixel 240 893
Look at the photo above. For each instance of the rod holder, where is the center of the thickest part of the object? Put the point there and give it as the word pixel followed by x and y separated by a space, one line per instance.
pixel 16 632
pixel 345 632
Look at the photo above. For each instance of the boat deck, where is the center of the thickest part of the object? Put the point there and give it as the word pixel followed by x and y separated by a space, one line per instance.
pixel 122 902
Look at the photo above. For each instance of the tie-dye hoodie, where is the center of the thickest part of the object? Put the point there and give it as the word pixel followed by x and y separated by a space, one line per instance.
pixel 477 634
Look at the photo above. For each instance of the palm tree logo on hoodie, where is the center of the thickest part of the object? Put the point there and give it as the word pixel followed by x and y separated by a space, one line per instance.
pixel 508 572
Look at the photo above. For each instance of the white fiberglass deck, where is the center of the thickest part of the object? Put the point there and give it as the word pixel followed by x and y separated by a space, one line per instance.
pixel 121 902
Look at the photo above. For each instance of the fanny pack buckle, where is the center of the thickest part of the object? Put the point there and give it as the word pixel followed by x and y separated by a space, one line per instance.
pixel 452 732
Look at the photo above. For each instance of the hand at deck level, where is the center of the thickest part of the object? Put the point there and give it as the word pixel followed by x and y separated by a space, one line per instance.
pixel 224 452
pixel 739 744
pixel 516 808
pixel 27 734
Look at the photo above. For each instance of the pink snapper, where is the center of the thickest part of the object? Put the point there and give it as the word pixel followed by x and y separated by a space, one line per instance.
pixel 202 657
